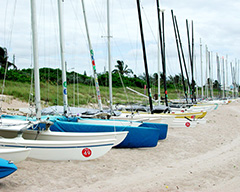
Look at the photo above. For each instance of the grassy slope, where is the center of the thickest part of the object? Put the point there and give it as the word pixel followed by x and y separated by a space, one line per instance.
pixel 84 95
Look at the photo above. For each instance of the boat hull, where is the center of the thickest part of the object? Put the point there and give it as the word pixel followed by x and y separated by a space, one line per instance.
pixel 15 155
pixel 145 135
pixel 61 150
pixel 70 136
pixel 6 168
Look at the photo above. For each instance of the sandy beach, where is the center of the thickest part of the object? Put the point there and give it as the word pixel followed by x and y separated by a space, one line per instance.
pixel 205 158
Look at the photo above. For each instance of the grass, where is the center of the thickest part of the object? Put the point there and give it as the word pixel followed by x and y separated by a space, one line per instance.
pixel 83 94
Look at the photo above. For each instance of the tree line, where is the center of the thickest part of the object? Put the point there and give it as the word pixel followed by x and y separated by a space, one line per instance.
pixel 122 75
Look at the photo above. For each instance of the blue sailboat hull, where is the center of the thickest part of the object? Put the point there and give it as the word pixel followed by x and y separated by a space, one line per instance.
pixel 6 168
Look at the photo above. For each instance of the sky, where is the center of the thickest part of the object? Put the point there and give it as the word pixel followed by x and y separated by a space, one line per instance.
pixel 216 22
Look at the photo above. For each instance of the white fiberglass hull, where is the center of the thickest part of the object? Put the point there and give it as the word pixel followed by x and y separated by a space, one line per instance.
pixel 161 118
pixel 16 154
pixel 153 118
pixel 61 150
pixel 11 132
pixel 70 136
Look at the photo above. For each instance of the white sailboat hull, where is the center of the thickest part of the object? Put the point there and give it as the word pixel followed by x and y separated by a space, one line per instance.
pixel 16 154
pixel 10 131
pixel 70 136
pixel 61 150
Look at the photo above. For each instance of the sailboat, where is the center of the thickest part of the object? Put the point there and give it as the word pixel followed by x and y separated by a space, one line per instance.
pixel 49 149
pixel 175 119
pixel 139 134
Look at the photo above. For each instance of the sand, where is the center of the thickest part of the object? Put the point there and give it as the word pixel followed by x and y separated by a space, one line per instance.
pixel 205 158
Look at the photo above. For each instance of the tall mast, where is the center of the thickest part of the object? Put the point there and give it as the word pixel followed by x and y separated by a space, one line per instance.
pixel 184 62
pixel 174 20
pixel 236 74
pixel 212 74
pixel 159 74
pixel 161 36
pixel 218 75
pixel 109 57
pixel 144 55
pixel 210 78
pixel 62 49
pixel 238 79
pixel 193 82
pixel 232 73
pixel 35 59
pixel 206 86
pixel 190 55
pixel 196 80
pixel 227 73
pixel 201 61
pixel 223 74
pixel 92 59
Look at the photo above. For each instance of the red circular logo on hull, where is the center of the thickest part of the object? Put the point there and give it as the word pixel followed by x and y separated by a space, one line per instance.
pixel 86 152
pixel 187 124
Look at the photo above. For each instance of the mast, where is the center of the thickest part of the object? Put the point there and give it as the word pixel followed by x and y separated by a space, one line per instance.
pixel 144 55
pixel 232 73
pixel 227 74
pixel 62 49
pixel 109 57
pixel 184 62
pixel 193 82
pixel 206 86
pixel 35 59
pixel 196 80
pixel 159 75
pixel 235 77
pixel 92 59
pixel 212 74
pixel 218 75
pixel 174 20
pixel 201 61
pixel 161 38
pixel 223 74
pixel 210 78
pixel 190 56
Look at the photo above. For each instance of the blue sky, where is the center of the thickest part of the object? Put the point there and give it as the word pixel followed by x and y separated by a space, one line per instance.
pixel 216 22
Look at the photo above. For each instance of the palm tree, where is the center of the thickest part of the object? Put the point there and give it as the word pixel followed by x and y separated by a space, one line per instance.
pixel 4 59
pixel 122 69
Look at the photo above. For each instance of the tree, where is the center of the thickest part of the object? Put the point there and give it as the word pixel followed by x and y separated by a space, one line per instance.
pixel 123 70
pixel 4 59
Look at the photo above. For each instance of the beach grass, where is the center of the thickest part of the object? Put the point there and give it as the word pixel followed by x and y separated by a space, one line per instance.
pixel 80 94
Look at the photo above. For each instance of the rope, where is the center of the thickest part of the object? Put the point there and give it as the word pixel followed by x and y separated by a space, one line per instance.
pixel 3 86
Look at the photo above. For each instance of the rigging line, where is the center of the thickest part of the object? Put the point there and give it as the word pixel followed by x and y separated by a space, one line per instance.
pixel 4 24
pixel 57 48
pixel 12 24
pixel 124 18
pixel 155 39
pixel 99 16
pixel 169 68
pixel 3 85
pixel 124 89
pixel 78 20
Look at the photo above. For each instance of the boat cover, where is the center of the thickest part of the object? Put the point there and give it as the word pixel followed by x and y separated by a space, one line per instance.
pixel 6 168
